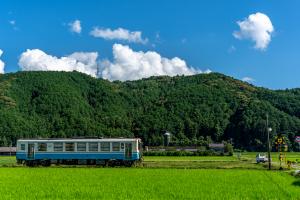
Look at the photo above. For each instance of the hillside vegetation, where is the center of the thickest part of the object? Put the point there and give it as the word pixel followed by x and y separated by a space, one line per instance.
pixel 195 109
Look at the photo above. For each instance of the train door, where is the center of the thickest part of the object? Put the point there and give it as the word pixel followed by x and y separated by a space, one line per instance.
pixel 128 151
pixel 30 151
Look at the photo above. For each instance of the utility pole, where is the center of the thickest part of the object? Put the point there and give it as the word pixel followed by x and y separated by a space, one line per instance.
pixel 269 145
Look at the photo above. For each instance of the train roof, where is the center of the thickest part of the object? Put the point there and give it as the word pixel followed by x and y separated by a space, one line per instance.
pixel 80 140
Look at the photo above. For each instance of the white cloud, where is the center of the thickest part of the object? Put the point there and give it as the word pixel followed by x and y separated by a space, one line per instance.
pixel 126 64
pixel 12 22
pixel 248 79
pixel 37 60
pixel 75 26
pixel 207 71
pixel 132 65
pixel 2 64
pixel 119 34
pixel 258 28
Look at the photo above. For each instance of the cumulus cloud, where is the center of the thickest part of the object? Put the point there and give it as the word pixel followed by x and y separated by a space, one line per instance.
pixel 131 65
pixel 127 64
pixel 12 22
pixel 75 26
pixel 37 60
pixel 248 79
pixel 119 34
pixel 2 64
pixel 258 28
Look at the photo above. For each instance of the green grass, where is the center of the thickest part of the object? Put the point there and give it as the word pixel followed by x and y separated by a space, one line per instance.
pixel 246 161
pixel 218 178
pixel 7 161
pixel 132 183
pixel 200 162
pixel 243 156
pixel 190 158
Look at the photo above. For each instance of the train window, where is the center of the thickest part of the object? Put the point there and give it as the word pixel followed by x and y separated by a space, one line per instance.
pixel 58 146
pixel 115 146
pixel 42 146
pixel 105 146
pixel 69 146
pixel 22 147
pixel 93 146
pixel 81 146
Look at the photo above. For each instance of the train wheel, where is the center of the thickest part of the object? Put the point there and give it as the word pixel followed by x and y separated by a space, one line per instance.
pixel 57 162
pixel 118 162
pixel 101 163
pixel 75 162
pixel 31 163
pixel 35 163
pixel 128 163
pixel 28 163
pixel 46 163
pixel 106 163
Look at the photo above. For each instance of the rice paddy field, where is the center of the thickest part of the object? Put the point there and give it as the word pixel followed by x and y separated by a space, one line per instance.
pixel 159 178
pixel 133 183
pixel 237 161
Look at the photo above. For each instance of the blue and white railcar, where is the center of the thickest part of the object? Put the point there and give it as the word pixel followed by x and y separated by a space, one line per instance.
pixel 47 151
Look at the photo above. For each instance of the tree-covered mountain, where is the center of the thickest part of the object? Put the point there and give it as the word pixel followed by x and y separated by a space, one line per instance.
pixel 194 109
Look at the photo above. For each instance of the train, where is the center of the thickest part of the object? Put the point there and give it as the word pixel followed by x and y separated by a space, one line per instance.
pixel 96 151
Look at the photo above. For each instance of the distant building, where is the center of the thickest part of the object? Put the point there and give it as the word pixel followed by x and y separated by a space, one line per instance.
pixel 217 147
pixel 8 151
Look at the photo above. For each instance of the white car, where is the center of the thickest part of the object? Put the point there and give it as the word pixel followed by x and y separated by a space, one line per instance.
pixel 261 158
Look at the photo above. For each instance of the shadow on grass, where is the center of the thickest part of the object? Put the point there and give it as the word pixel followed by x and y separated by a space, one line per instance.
pixel 296 183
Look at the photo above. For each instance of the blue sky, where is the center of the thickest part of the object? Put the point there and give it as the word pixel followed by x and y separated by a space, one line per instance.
pixel 198 32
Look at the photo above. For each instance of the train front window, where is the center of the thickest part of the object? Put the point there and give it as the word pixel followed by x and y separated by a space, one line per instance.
pixel 93 146
pixel 69 146
pixel 105 146
pixel 115 146
pixel 22 147
pixel 42 146
pixel 58 146
pixel 81 146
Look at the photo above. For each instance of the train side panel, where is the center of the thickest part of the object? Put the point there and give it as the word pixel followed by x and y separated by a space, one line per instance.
pixel 78 150
pixel 76 155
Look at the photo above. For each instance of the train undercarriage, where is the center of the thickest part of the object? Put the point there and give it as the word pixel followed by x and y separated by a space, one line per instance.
pixel 89 162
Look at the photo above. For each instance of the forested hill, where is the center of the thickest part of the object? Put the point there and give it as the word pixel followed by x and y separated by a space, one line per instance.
pixel 195 109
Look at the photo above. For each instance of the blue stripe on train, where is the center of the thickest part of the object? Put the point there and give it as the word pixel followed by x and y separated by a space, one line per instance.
pixel 67 156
